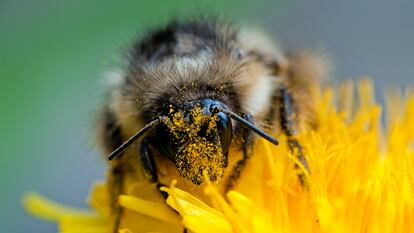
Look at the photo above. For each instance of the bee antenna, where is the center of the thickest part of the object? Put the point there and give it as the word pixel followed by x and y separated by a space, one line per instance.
pixel 249 125
pixel 118 151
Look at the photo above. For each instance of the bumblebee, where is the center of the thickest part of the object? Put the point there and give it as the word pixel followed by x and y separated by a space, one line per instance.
pixel 191 94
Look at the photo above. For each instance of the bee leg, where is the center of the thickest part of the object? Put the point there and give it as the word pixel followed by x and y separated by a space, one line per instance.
pixel 116 184
pixel 148 160
pixel 288 125
pixel 149 165
pixel 247 146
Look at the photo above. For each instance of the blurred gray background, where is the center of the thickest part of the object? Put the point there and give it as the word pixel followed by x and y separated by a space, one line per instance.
pixel 53 55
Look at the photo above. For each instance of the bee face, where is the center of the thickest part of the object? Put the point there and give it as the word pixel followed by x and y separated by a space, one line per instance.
pixel 196 137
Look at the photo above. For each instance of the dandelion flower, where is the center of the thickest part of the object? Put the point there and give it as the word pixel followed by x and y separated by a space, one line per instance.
pixel 362 180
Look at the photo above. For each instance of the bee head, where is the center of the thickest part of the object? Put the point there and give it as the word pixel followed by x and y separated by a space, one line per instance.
pixel 196 136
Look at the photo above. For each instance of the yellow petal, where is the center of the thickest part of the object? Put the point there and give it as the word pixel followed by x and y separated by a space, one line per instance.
pixel 197 216
pixel 47 209
pixel 158 211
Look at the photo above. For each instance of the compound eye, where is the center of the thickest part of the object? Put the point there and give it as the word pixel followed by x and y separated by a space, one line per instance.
pixel 224 129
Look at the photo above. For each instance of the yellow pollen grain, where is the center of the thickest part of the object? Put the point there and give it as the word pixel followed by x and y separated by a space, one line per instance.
pixel 196 152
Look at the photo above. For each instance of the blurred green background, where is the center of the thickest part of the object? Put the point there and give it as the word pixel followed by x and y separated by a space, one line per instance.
pixel 53 56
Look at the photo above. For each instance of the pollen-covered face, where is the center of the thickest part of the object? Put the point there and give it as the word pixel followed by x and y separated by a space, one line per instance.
pixel 196 139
